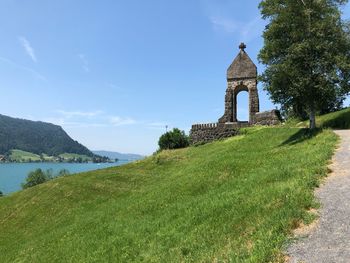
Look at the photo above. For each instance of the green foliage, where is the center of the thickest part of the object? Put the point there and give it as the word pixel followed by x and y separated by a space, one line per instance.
pixel 234 200
pixel 37 138
pixel 37 177
pixel 307 54
pixel 174 139
pixel 63 172
pixel 1 194
pixel 334 120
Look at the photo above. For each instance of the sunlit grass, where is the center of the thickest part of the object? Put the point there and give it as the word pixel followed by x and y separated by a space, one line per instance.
pixel 234 200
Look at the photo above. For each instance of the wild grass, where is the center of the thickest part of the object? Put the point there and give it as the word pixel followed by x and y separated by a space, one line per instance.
pixel 235 200
pixel 335 120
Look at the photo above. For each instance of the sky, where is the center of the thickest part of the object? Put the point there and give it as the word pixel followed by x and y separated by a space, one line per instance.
pixel 114 73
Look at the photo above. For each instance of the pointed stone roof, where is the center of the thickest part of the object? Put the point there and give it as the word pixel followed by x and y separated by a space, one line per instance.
pixel 242 67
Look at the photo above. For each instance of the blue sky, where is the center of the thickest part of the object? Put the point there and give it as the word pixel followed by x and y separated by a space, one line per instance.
pixel 113 73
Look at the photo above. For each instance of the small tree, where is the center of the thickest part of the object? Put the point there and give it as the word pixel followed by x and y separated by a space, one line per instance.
pixel 1 194
pixel 173 140
pixel 36 177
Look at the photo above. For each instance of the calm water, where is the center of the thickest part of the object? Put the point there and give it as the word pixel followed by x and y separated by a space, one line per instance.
pixel 13 174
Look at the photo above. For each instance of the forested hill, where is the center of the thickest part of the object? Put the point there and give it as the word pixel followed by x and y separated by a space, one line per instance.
pixel 37 137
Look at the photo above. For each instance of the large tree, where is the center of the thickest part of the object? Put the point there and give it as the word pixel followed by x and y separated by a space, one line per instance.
pixel 307 54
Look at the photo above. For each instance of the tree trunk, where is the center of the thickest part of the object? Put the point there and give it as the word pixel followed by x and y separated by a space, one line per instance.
pixel 312 119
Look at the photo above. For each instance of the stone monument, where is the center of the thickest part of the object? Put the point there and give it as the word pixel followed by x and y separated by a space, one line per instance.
pixel 241 76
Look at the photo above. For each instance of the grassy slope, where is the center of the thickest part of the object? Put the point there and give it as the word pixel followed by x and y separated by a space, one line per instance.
pixel 234 200
pixel 338 120
pixel 68 156
pixel 18 155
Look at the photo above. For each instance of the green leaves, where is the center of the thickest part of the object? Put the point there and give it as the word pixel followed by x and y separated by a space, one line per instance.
pixel 173 140
pixel 307 55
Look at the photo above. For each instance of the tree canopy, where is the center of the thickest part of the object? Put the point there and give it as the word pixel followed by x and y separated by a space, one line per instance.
pixel 173 140
pixel 307 54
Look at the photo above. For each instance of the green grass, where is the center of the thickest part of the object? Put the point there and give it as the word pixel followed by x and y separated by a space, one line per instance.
pixel 22 156
pixel 230 201
pixel 70 156
pixel 335 120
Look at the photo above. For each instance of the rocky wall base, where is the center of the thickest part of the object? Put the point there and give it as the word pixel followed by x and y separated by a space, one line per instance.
pixel 203 133
pixel 268 118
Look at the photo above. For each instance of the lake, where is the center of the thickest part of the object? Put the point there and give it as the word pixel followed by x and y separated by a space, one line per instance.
pixel 13 174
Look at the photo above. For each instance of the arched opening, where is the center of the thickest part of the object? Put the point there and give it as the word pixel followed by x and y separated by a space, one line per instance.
pixel 242 106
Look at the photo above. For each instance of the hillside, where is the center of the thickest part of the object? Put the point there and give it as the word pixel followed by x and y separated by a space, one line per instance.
pixel 119 156
pixel 336 120
pixel 37 138
pixel 234 200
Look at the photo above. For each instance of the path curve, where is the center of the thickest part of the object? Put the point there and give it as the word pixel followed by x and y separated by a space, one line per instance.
pixel 329 241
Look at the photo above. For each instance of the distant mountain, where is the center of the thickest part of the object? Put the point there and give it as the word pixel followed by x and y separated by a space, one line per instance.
pixel 37 137
pixel 119 156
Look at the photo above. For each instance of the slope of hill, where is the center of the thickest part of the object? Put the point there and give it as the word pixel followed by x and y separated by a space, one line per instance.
pixel 235 200
pixel 119 156
pixel 336 120
pixel 37 137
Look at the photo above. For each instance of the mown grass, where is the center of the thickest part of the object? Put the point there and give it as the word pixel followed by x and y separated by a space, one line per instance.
pixel 22 156
pixel 230 201
pixel 70 156
pixel 335 120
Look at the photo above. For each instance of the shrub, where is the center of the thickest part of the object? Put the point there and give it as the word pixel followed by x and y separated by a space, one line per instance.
pixel 63 172
pixel 1 194
pixel 37 177
pixel 173 140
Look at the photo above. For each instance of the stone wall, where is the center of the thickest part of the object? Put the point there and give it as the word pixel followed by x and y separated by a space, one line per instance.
pixel 268 118
pixel 203 133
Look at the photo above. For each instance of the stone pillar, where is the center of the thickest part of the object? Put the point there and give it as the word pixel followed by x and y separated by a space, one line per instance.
pixel 234 108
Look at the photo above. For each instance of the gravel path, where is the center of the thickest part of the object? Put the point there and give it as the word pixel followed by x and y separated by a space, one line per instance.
pixel 329 241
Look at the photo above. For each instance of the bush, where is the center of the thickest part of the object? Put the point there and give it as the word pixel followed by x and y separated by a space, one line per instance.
pixel 63 172
pixel 37 177
pixel 173 140
pixel 1 194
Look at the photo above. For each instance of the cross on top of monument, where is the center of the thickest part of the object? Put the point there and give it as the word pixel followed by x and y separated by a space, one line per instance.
pixel 242 46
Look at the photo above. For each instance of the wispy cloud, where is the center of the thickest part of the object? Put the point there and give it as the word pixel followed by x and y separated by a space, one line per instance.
pixel 119 121
pixel 157 125
pixel 247 31
pixel 28 48
pixel 112 86
pixel 222 23
pixel 85 62
pixel 99 118
pixel 96 118
pixel 15 65
pixel 71 114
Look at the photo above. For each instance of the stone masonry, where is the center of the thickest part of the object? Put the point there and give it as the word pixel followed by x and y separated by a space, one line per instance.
pixel 241 76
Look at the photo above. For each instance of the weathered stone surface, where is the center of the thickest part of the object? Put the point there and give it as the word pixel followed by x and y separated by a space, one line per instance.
pixel 268 118
pixel 242 67
pixel 202 133
pixel 234 87
pixel 241 76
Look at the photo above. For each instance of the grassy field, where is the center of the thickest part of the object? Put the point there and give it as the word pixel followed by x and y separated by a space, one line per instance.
pixel 71 156
pixel 337 120
pixel 22 156
pixel 230 201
